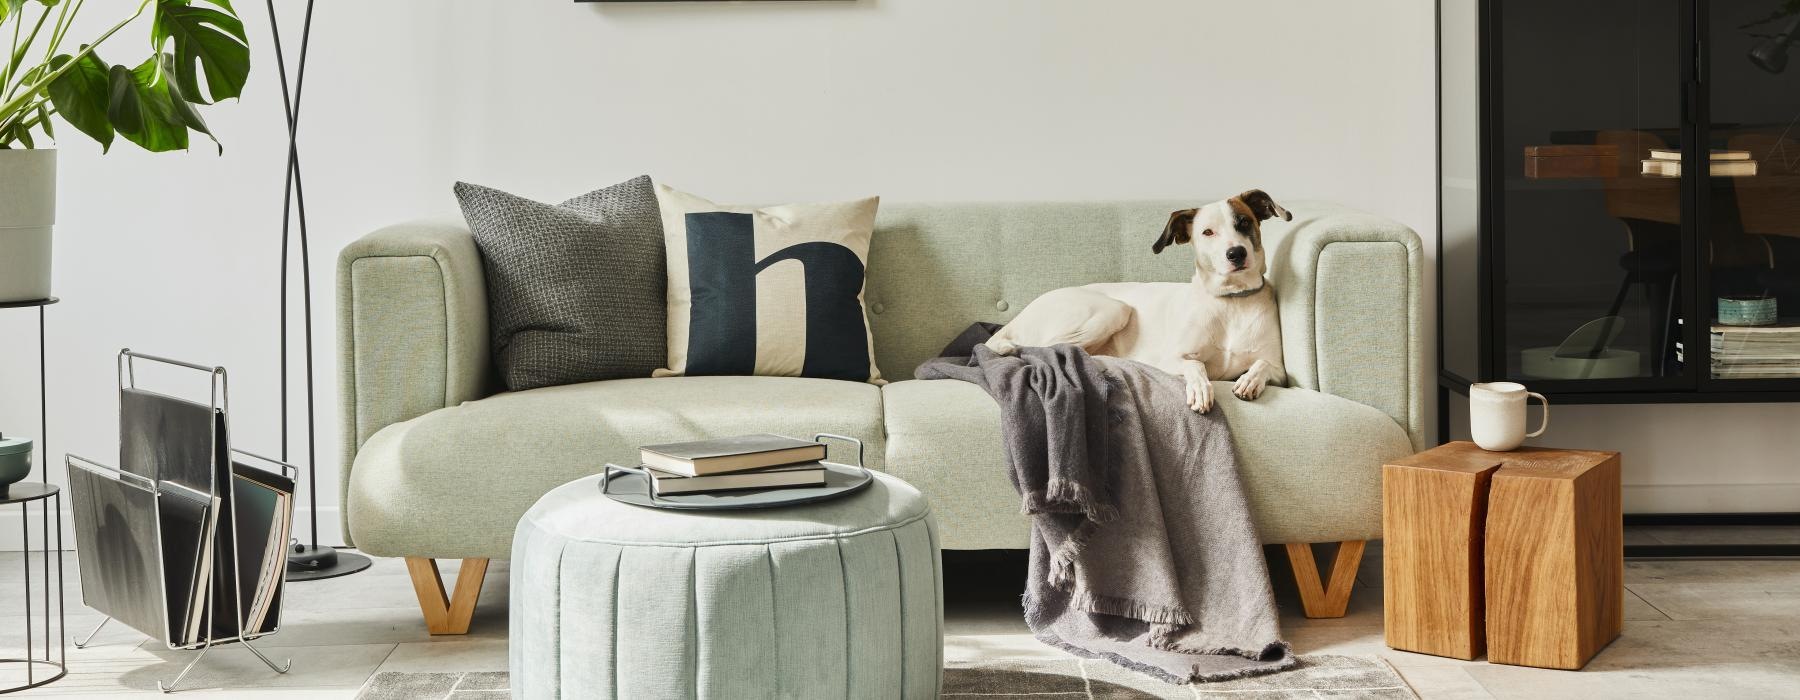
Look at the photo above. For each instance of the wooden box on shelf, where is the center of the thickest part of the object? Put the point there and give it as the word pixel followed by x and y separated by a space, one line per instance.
pixel 1571 161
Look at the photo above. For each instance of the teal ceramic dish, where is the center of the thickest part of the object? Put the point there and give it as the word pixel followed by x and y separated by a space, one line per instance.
pixel 15 460
pixel 1741 311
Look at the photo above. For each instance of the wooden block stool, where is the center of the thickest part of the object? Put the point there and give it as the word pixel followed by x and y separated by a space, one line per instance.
pixel 1555 558
pixel 1433 514
pixel 1519 552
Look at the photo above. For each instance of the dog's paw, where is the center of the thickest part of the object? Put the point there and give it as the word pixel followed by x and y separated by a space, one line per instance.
pixel 1248 387
pixel 1002 346
pixel 1200 396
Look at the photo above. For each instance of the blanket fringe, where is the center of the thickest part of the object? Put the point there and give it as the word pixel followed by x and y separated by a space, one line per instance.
pixel 1062 561
pixel 1159 616
pixel 1278 657
pixel 1063 492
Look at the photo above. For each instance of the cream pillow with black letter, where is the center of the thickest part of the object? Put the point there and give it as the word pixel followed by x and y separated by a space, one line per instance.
pixel 773 291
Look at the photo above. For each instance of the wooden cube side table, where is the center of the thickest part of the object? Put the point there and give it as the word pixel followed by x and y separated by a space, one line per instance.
pixel 1433 513
pixel 1555 558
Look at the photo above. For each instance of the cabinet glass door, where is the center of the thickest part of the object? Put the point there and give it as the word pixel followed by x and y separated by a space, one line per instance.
pixel 1591 210
pixel 1751 227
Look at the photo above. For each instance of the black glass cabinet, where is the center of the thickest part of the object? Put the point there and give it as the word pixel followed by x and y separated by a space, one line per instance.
pixel 1613 176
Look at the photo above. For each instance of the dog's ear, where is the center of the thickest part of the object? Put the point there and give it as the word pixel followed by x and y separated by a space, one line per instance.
pixel 1264 206
pixel 1180 230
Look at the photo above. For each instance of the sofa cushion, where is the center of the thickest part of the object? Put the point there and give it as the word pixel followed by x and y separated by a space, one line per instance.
pixel 415 485
pixel 575 290
pixel 770 291
pixel 1311 461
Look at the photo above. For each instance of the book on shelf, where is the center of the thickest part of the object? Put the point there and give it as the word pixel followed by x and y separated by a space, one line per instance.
pixel 1756 352
pixel 730 454
pixel 1657 167
pixel 1717 154
pixel 787 476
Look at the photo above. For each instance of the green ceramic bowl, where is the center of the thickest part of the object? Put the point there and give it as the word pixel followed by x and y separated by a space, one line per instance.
pixel 15 460
pixel 1746 311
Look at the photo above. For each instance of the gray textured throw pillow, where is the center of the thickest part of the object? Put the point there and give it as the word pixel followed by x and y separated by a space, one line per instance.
pixel 576 291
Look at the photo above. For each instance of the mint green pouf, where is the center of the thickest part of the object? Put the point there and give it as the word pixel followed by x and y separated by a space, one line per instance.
pixel 836 599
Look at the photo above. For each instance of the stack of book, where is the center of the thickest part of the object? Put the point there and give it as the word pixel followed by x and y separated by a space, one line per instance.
pixel 1756 352
pixel 728 464
pixel 1667 163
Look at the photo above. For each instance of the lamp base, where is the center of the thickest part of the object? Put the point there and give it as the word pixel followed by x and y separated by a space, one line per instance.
pixel 313 563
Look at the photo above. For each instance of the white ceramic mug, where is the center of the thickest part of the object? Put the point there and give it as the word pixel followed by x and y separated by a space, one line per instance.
pixel 1497 415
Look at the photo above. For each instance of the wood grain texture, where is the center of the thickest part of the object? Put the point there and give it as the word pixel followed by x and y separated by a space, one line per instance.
pixel 446 614
pixel 1433 513
pixel 1555 558
pixel 1331 600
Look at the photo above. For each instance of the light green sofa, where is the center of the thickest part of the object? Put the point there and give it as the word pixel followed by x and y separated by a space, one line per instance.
pixel 437 465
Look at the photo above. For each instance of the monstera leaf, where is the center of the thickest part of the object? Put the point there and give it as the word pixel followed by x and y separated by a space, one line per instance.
pixel 207 41
pixel 147 107
pixel 199 55
pixel 81 96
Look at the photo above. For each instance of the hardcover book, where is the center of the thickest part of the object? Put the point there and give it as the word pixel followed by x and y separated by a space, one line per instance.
pixel 730 454
pixel 794 475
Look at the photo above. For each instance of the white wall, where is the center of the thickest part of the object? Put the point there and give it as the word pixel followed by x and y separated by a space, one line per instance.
pixel 909 99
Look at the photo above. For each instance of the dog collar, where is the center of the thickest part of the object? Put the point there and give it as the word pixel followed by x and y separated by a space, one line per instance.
pixel 1246 292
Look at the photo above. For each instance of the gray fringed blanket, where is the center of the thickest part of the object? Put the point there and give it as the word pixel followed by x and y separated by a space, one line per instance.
pixel 1142 547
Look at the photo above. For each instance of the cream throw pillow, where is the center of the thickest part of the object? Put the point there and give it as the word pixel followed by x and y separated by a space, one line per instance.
pixel 771 291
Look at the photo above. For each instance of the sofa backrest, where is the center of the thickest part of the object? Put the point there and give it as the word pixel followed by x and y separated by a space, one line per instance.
pixel 936 268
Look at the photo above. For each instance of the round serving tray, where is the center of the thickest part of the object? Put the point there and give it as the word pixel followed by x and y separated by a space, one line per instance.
pixel 628 485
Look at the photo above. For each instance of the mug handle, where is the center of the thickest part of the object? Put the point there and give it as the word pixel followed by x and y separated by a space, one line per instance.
pixel 1545 423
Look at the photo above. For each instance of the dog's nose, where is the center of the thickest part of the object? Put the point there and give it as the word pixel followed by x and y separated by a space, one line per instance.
pixel 1237 254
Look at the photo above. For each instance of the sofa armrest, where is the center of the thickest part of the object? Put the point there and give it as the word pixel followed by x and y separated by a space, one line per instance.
pixel 412 329
pixel 1350 286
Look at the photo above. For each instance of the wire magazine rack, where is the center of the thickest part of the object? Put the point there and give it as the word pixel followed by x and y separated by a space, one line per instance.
pixel 133 488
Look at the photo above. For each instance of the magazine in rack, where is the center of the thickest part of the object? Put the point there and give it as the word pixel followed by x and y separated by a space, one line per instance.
pixel 186 540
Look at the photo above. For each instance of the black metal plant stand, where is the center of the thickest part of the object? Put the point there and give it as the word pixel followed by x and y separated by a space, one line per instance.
pixel 306 562
pixel 48 668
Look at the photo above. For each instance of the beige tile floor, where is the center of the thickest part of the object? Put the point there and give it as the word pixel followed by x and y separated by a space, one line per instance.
pixel 1694 629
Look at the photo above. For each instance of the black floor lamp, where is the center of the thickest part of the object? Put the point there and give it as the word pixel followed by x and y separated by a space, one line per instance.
pixel 306 562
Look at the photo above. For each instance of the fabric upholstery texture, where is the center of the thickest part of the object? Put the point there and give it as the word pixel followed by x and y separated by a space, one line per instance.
pixel 772 291
pixel 455 481
pixel 1311 462
pixel 840 599
pixel 575 290
pixel 413 338
pixel 412 331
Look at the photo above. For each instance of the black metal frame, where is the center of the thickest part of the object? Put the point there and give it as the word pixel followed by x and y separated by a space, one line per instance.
pixel 59 664
pixel 42 454
pixel 306 562
pixel 1694 384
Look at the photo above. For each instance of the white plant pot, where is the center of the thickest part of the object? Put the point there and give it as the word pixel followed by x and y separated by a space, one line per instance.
pixel 27 214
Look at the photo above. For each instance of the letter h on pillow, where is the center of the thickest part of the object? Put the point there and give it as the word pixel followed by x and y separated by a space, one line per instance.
pixel 775 291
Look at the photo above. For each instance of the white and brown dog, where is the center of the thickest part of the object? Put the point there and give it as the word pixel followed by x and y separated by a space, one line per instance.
pixel 1222 325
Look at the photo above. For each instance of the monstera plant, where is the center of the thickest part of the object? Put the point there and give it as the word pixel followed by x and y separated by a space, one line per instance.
pixel 49 80
pixel 198 55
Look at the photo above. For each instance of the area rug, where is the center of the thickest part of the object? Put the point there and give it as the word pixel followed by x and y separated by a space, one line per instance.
pixel 1318 676
pixel 1315 676
pixel 393 685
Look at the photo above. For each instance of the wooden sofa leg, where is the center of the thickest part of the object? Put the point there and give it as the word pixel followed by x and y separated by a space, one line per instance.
pixel 446 614
pixel 1325 601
